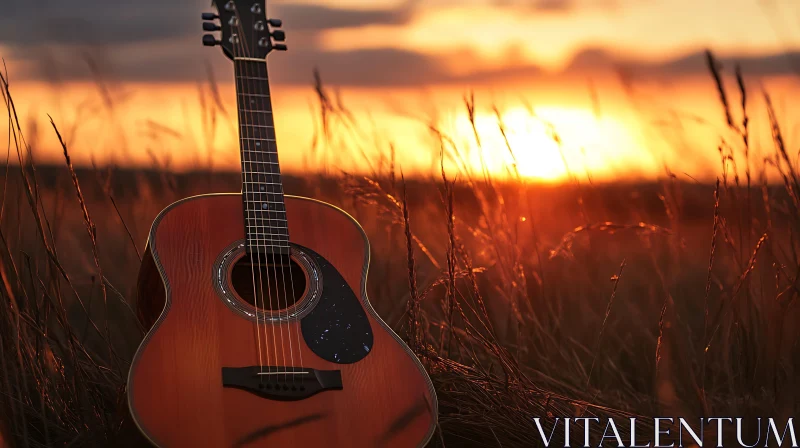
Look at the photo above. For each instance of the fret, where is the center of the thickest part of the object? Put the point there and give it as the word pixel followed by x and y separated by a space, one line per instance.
pixel 258 155
pixel 272 207
pixel 252 78
pixel 268 203
pixel 261 162
pixel 257 152
pixel 276 206
pixel 256 161
pixel 254 213
pixel 264 183
pixel 262 190
pixel 253 111
pixel 248 139
pixel 263 198
pixel 276 234
pixel 264 215
pixel 269 176
pixel 262 177
pixel 257 95
pixel 260 145
pixel 261 126
pixel 285 248
pixel 269 234
pixel 266 232
pixel 256 219
pixel 274 193
pixel 257 215
pixel 266 186
pixel 259 209
pixel 262 218
pixel 279 193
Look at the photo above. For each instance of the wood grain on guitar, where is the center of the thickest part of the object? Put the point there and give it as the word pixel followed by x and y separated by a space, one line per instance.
pixel 292 355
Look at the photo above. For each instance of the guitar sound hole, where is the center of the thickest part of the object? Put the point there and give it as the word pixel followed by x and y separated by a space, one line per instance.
pixel 268 282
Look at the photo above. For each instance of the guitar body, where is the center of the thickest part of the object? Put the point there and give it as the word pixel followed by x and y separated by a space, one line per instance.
pixel 373 393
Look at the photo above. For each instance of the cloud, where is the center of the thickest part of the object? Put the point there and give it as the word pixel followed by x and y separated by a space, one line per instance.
pixel 29 23
pixel 595 60
pixel 97 22
pixel 157 40
pixel 366 67
pixel 186 60
pixel 537 5
pixel 310 17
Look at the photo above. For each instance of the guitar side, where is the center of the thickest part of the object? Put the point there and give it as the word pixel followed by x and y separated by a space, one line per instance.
pixel 175 386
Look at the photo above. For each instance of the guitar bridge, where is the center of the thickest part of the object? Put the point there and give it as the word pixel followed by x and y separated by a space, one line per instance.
pixel 281 383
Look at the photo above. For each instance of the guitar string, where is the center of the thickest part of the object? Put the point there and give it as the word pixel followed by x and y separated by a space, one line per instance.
pixel 275 247
pixel 289 324
pixel 268 248
pixel 264 236
pixel 247 212
pixel 288 244
pixel 241 44
pixel 296 325
pixel 288 258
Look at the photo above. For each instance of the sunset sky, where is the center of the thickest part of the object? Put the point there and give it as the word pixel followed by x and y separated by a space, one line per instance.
pixel 623 83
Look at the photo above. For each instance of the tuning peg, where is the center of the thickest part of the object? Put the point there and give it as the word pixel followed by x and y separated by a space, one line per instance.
pixel 275 23
pixel 210 16
pixel 280 36
pixel 209 40
pixel 279 47
pixel 208 26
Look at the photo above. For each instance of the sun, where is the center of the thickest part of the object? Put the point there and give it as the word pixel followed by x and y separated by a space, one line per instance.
pixel 546 144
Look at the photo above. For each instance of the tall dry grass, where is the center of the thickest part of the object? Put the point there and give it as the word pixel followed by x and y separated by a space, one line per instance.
pixel 663 299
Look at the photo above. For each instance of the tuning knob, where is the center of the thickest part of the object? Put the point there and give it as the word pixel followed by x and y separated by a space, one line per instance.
pixel 279 47
pixel 208 26
pixel 280 36
pixel 210 16
pixel 275 23
pixel 209 40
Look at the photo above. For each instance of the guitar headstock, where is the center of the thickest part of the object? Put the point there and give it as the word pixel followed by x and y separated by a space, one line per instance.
pixel 246 33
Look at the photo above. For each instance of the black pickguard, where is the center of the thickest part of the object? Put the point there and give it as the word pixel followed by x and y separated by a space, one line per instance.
pixel 337 329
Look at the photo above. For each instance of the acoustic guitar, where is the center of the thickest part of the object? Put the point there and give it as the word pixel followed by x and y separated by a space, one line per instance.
pixel 261 331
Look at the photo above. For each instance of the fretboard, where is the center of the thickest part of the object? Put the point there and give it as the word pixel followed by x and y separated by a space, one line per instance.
pixel 262 191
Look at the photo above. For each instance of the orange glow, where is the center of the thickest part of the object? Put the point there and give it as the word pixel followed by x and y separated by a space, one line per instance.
pixel 547 145
pixel 555 131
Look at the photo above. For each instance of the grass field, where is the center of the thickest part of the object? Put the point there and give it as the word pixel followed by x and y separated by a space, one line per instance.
pixel 669 298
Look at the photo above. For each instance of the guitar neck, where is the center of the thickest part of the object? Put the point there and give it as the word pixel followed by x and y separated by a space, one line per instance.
pixel 262 190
